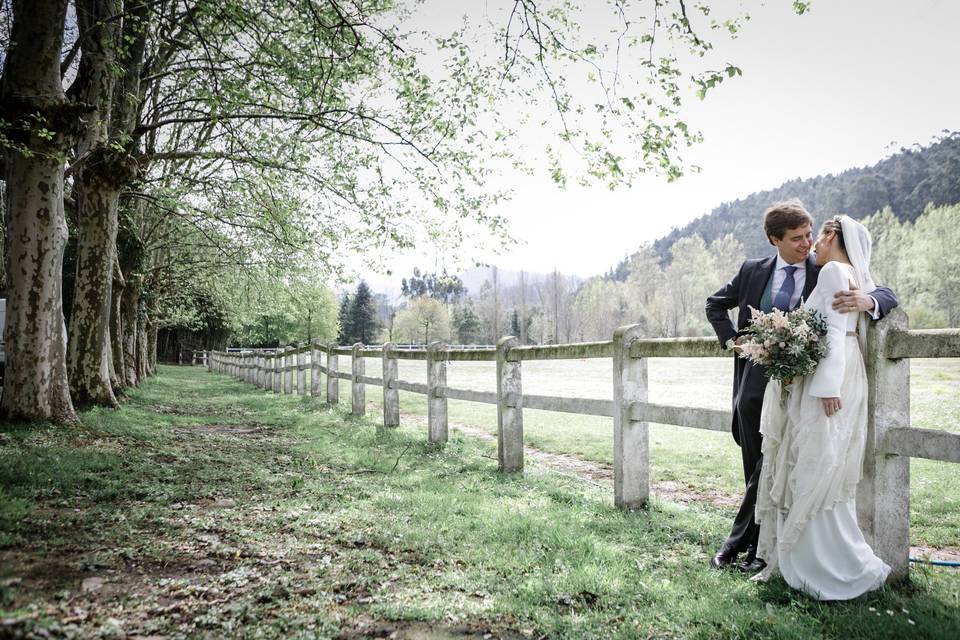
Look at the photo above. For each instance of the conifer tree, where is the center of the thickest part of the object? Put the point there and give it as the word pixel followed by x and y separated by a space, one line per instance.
pixel 345 336
pixel 363 316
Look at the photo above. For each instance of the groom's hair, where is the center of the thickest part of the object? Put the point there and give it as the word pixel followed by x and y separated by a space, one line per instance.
pixel 782 216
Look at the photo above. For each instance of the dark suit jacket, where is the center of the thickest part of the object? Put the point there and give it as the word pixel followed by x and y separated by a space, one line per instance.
pixel 745 290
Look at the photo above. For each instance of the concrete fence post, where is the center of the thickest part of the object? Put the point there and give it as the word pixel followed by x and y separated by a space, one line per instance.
pixel 277 371
pixel 193 358
pixel 289 362
pixel 247 367
pixel 208 361
pixel 301 369
pixel 333 382
pixel 631 438
pixel 264 372
pixel 359 390
pixel 391 395
pixel 883 495
pixel 436 392
pixel 314 370
pixel 509 408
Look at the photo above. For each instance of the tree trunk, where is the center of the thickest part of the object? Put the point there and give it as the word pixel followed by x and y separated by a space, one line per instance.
pixel 116 329
pixel 89 355
pixel 147 337
pixel 130 311
pixel 36 231
pixel 103 172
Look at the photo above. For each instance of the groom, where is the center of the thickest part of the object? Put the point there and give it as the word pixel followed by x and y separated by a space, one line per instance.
pixel 776 282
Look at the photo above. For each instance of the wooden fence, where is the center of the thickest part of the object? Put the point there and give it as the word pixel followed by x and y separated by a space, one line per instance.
pixel 883 496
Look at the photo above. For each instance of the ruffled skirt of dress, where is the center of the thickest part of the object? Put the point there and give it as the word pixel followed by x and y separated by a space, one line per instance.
pixel 806 499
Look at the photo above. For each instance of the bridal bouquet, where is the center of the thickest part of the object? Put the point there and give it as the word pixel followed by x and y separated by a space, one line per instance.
pixel 789 344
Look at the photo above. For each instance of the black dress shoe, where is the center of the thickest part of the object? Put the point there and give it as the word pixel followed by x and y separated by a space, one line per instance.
pixel 725 558
pixel 752 566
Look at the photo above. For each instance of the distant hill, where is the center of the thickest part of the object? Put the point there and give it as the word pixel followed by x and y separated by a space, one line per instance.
pixel 906 182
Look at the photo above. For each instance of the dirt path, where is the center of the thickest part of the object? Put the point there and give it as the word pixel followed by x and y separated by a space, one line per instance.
pixel 602 474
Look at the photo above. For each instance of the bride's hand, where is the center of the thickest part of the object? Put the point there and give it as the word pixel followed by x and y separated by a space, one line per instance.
pixel 831 405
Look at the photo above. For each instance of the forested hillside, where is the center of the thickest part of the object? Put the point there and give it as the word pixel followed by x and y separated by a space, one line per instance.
pixel 906 182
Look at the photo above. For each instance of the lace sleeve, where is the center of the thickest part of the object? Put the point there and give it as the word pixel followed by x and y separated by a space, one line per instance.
pixel 828 377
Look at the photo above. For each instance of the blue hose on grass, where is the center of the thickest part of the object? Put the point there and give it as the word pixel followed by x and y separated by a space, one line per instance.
pixel 938 563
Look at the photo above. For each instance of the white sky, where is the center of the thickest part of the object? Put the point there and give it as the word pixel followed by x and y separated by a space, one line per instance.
pixel 842 86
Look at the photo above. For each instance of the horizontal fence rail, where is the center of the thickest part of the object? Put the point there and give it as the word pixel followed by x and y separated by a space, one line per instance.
pixel 883 494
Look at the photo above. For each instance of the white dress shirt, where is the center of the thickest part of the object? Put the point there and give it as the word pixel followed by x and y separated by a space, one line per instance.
pixel 780 276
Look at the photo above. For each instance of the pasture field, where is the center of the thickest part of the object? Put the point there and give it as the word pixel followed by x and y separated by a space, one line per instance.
pixel 206 508
pixel 701 461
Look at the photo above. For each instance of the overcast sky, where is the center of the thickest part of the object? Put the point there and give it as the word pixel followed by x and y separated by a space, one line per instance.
pixel 842 86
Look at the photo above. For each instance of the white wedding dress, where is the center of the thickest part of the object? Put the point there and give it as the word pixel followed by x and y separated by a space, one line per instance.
pixel 806 501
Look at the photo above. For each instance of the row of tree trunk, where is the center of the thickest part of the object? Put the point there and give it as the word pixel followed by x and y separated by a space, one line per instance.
pixel 50 370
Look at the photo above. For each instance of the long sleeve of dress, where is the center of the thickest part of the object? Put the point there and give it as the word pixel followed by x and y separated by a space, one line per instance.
pixel 828 377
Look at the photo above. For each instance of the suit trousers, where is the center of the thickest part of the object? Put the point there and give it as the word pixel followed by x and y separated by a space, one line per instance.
pixel 745 530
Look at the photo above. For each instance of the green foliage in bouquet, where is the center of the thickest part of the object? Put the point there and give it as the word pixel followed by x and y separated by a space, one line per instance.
pixel 788 344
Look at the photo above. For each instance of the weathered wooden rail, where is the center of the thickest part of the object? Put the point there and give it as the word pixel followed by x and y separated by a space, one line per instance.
pixel 883 496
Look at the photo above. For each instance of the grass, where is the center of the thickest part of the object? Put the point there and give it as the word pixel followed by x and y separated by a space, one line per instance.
pixel 206 508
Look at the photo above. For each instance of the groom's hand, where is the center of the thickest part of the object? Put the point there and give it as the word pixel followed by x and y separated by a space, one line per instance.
pixel 852 300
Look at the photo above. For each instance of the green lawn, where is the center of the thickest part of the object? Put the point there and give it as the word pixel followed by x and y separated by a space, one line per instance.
pixel 206 508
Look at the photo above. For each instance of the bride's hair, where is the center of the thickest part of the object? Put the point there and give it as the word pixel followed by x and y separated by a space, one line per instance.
pixel 833 224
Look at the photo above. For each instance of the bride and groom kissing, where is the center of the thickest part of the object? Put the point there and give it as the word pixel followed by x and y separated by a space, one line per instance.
pixel 803 445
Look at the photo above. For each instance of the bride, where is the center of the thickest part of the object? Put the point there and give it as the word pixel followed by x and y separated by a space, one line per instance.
pixel 814 435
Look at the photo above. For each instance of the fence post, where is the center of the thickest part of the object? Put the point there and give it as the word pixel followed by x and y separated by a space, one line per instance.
pixel 631 438
pixel 193 358
pixel 301 369
pixel 314 370
pixel 288 361
pixel 391 395
pixel 509 408
pixel 436 392
pixel 883 495
pixel 263 371
pixel 358 389
pixel 333 382
pixel 277 372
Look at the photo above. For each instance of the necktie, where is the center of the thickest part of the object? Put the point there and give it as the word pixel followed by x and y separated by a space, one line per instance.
pixel 782 301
